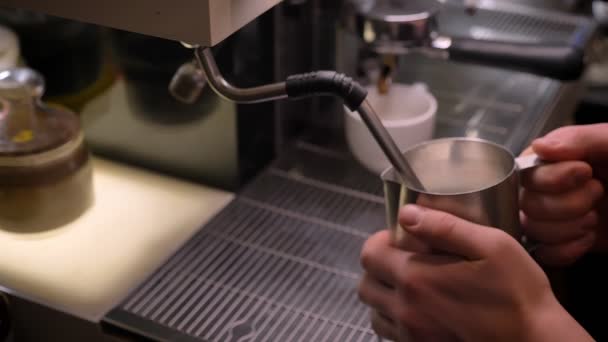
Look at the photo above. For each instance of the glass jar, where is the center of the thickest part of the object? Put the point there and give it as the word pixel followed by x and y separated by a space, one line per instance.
pixel 45 166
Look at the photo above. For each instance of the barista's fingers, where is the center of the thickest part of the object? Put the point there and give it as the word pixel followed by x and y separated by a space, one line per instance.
pixel 557 178
pixel 527 151
pixel 566 206
pixel 410 243
pixel 381 259
pixel 384 327
pixel 585 142
pixel 375 293
pixel 565 254
pixel 448 233
pixel 558 232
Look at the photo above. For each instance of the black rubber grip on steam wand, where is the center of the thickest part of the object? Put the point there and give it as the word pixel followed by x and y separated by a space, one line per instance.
pixel 327 83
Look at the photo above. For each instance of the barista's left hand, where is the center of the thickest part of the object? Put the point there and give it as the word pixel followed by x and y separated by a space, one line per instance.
pixel 483 287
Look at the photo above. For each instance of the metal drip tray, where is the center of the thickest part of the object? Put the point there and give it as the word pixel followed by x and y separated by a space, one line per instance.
pixel 280 263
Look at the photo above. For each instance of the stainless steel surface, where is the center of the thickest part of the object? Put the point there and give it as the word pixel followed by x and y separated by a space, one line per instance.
pixel 508 108
pixel 206 22
pixel 388 146
pixel 470 178
pixel 395 27
pixel 400 27
pixel 528 162
pixel 512 21
pixel 478 101
pixel 229 92
pixel 561 5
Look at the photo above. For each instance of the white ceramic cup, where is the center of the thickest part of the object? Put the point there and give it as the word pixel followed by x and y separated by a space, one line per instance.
pixel 408 112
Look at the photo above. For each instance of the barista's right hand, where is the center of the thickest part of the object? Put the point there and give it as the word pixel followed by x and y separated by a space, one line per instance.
pixel 563 203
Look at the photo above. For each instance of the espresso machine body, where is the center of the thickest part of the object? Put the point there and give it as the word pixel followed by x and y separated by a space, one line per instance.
pixel 118 82
pixel 265 266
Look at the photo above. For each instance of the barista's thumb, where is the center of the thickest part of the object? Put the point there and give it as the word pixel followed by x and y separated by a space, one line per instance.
pixel 447 233
pixel 586 143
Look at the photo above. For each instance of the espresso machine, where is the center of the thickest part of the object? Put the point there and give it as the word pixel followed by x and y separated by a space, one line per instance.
pixel 223 212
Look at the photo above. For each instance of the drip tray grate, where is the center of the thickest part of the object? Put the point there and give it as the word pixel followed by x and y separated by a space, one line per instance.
pixel 279 263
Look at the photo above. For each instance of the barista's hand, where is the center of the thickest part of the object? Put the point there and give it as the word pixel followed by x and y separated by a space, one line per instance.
pixel 563 203
pixel 485 287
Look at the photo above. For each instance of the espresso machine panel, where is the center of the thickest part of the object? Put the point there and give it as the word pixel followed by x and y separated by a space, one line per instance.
pixel 205 22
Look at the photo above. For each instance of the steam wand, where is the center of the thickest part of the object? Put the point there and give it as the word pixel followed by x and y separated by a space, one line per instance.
pixel 313 84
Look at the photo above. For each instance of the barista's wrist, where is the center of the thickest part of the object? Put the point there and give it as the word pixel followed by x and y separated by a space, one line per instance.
pixel 552 322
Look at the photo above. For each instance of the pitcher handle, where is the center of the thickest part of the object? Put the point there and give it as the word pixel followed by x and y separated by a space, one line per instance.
pixel 529 161
pixel 524 163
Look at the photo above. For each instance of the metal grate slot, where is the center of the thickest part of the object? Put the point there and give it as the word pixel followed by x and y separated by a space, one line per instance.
pixel 256 274
pixel 345 209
